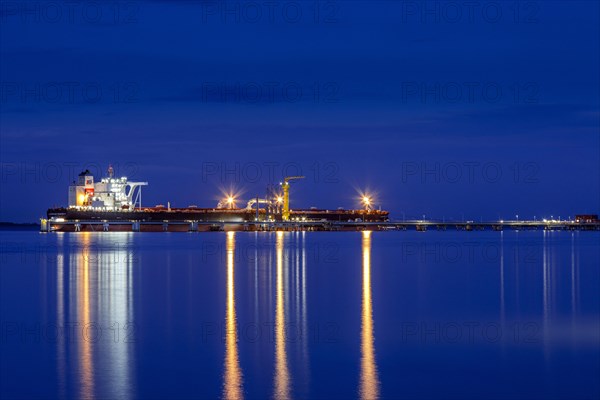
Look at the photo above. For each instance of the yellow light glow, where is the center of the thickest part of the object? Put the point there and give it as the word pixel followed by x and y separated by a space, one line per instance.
pixel 369 377
pixel 230 200
pixel 84 298
pixel 280 199
pixel 229 197
pixel 366 200
pixel 233 377
pixel 282 373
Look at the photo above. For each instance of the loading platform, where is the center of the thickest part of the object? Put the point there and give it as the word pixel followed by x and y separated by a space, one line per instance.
pixel 206 226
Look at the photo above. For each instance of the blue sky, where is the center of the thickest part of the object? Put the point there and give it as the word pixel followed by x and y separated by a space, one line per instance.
pixel 437 107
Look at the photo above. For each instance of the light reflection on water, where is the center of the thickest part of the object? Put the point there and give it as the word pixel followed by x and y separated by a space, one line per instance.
pixel 287 293
pixel 369 382
pixel 233 374
pixel 83 307
pixel 94 301
pixel 282 374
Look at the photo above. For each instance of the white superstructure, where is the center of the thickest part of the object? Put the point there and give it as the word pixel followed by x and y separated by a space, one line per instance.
pixel 110 194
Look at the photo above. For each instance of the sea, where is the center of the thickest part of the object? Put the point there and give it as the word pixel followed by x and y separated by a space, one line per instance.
pixel 336 315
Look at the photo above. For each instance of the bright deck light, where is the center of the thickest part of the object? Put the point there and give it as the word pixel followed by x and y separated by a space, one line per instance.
pixel 366 200
pixel 230 201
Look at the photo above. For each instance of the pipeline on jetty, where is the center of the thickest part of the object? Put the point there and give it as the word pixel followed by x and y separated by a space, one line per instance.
pixel 208 226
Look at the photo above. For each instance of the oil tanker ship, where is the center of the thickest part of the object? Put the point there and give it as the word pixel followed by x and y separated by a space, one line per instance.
pixel 115 204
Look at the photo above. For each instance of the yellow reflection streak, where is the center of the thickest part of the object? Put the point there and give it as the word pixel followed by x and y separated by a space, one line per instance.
pixel 282 375
pixel 369 383
pixel 83 301
pixel 233 373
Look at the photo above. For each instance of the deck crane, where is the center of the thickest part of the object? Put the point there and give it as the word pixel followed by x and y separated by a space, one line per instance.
pixel 286 195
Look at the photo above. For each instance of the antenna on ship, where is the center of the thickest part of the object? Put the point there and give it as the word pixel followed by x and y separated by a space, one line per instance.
pixel 111 171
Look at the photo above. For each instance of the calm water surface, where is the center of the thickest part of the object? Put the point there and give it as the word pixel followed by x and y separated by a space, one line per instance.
pixel 315 314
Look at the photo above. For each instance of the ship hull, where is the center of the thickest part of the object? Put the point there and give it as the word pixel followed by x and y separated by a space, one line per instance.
pixel 196 219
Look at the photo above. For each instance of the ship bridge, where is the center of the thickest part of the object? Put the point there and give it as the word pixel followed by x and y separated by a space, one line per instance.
pixel 110 194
